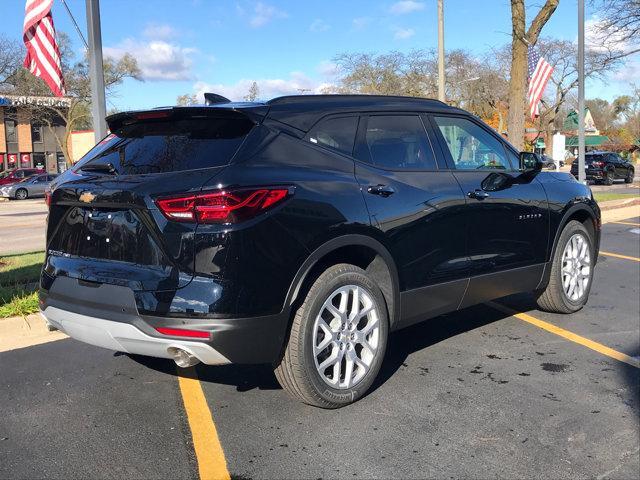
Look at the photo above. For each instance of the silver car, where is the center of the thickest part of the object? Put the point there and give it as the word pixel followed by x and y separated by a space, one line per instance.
pixel 28 188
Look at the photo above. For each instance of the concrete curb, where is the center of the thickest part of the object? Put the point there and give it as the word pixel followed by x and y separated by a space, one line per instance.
pixel 22 332
pixel 622 203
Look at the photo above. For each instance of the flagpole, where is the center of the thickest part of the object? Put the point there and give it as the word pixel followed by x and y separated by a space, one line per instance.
pixel 581 145
pixel 96 72
pixel 441 80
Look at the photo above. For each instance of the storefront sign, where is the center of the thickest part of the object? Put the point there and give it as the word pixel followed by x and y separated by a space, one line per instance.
pixel 25 160
pixel 24 101
pixel 12 159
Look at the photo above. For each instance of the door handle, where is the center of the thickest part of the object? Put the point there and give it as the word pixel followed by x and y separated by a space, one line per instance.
pixel 478 194
pixel 382 190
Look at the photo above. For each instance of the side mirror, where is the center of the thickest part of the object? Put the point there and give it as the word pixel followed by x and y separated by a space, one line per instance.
pixel 530 162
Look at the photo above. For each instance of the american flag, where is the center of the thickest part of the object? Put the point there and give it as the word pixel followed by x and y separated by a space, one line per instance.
pixel 539 73
pixel 43 55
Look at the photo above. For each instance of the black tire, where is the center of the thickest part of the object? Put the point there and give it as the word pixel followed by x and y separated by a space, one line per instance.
pixel 629 177
pixel 553 298
pixel 297 372
pixel 22 194
pixel 608 177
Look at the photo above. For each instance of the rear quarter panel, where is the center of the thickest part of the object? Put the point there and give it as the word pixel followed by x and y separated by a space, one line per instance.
pixel 254 263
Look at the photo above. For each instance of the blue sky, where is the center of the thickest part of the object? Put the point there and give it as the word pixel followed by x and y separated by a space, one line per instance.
pixel 191 46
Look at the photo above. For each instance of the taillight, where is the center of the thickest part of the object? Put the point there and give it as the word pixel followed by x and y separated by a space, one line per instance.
pixel 226 206
pixel 47 198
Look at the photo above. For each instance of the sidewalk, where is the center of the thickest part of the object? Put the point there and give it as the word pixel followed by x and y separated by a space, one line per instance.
pixel 19 332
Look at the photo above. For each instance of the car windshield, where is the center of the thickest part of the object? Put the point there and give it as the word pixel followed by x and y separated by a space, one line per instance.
pixel 5 174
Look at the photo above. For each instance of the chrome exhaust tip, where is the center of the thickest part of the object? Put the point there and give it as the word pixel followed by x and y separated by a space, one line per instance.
pixel 183 358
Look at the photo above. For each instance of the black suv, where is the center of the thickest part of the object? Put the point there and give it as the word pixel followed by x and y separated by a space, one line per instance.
pixel 605 167
pixel 301 231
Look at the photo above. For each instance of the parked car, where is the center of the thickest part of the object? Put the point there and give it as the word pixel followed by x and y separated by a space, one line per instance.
pixel 550 163
pixel 605 167
pixel 19 174
pixel 301 231
pixel 30 187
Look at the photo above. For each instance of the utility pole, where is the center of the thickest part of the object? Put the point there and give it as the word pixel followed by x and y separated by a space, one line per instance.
pixel 441 94
pixel 96 72
pixel 581 146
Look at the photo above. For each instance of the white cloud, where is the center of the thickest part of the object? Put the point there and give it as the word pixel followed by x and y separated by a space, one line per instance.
pixel 596 40
pixel 630 73
pixel 406 6
pixel 327 69
pixel 296 84
pixel 159 31
pixel 360 23
pixel 157 59
pixel 264 13
pixel 403 33
pixel 319 25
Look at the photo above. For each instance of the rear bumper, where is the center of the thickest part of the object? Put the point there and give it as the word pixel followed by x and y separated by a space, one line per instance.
pixel 124 337
pixel 590 174
pixel 107 316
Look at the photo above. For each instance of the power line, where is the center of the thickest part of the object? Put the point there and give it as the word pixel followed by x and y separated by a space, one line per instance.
pixel 75 24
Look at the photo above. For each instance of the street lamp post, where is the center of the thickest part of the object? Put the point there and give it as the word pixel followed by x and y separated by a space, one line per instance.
pixel 96 72
pixel 441 79
pixel 581 145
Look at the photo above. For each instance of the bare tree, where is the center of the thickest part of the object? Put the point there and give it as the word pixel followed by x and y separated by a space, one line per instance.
pixel 521 39
pixel 562 54
pixel 253 93
pixel 618 29
pixel 76 77
pixel 11 54
pixel 476 84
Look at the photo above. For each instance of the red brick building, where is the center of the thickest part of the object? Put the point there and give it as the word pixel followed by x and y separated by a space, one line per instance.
pixel 25 143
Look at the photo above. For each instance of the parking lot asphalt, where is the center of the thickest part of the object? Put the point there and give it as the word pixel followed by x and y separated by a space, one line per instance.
pixel 478 393
pixel 22 226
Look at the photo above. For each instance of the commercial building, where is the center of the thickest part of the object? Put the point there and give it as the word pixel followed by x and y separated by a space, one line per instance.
pixel 24 142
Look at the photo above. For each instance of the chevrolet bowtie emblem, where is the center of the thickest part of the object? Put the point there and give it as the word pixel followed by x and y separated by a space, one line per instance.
pixel 86 197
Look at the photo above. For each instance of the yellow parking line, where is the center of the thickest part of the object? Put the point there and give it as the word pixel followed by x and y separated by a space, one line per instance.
pixel 633 224
pixel 617 255
pixel 573 337
pixel 209 454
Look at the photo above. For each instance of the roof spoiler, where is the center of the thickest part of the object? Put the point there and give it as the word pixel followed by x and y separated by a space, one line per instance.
pixel 214 99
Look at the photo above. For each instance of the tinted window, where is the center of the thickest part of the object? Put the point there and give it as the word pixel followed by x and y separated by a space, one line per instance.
pixel 398 142
pixel 169 146
pixel 471 146
pixel 336 133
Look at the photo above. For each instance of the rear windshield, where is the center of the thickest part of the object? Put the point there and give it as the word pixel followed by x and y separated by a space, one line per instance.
pixel 170 146
pixel 591 158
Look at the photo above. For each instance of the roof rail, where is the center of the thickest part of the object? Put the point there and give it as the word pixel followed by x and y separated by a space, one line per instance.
pixel 214 99
pixel 358 96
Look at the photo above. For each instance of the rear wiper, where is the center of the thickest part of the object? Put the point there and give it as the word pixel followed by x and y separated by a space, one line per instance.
pixel 100 168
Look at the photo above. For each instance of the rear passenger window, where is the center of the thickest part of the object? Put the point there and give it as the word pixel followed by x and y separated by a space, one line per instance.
pixel 170 146
pixel 399 142
pixel 471 146
pixel 336 133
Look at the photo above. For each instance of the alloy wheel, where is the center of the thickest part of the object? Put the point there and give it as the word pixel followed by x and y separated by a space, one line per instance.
pixel 576 267
pixel 346 336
